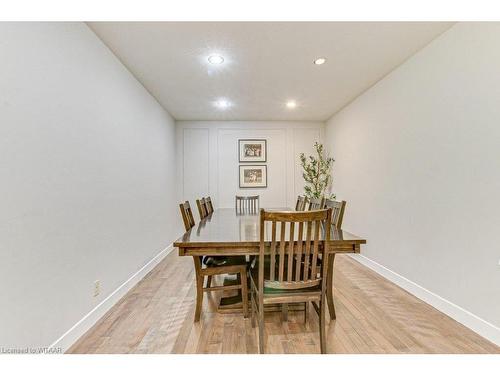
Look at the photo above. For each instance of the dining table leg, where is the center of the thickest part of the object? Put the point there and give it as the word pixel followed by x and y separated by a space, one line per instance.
pixel 199 288
pixel 329 286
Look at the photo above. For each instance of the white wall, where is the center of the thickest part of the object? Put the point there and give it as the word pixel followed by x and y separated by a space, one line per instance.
pixel 207 157
pixel 418 161
pixel 86 178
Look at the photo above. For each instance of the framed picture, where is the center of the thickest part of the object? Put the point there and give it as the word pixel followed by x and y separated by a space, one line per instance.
pixel 253 176
pixel 252 150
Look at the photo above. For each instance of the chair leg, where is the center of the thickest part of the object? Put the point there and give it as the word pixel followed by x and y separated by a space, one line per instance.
pixel 244 291
pixel 238 280
pixel 322 331
pixel 261 327
pixel 252 303
pixel 199 288
pixel 306 311
pixel 329 287
pixel 284 311
pixel 209 281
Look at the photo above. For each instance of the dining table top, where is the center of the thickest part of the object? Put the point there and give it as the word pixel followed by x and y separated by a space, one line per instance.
pixel 228 232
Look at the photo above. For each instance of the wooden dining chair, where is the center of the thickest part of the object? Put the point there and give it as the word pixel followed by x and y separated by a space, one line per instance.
pixel 206 208
pixel 338 209
pixel 202 208
pixel 288 274
pixel 316 204
pixel 248 204
pixel 301 203
pixel 187 215
pixel 208 205
pixel 234 266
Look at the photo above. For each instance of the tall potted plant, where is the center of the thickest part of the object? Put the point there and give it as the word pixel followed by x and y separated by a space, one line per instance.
pixel 317 173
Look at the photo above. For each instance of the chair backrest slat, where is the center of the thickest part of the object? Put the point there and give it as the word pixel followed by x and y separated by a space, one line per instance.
pixel 187 215
pixel 298 257
pixel 317 225
pixel 282 251
pixel 248 204
pixel 273 249
pixel 307 252
pixel 338 209
pixel 291 252
pixel 293 248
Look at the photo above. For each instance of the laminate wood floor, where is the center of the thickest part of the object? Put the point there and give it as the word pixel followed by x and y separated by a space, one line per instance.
pixel 373 316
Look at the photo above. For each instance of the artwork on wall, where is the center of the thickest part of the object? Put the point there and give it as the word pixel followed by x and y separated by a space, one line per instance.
pixel 252 150
pixel 253 176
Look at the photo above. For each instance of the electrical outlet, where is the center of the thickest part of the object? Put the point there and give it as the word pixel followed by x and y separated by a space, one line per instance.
pixel 97 288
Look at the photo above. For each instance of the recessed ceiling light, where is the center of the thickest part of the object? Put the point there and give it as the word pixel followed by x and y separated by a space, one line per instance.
pixel 215 59
pixel 320 61
pixel 291 104
pixel 222 103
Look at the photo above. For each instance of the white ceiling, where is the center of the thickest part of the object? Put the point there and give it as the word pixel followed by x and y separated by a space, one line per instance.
pixel 266 63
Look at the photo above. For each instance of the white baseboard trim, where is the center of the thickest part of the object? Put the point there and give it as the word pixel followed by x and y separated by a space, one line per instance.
pixel 468 319
pixel 83 325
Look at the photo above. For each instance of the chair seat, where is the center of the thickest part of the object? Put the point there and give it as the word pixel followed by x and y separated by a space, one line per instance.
pixel 219 261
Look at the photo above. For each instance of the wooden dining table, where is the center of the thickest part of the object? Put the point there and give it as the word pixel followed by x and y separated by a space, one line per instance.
pixel 227 232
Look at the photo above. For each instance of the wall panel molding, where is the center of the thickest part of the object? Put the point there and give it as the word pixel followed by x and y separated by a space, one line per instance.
pixel 284 140
pixel 195 162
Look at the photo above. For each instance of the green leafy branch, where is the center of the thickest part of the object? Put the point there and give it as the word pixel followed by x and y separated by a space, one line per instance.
pixel 317 173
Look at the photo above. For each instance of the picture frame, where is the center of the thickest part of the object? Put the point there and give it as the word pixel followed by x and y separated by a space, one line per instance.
pixel 253 176
pixel 252 150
